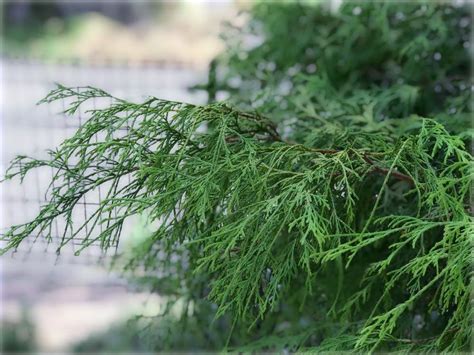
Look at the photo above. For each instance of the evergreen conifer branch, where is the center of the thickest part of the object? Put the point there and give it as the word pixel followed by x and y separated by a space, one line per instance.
pixel 331 217
pixel 255 212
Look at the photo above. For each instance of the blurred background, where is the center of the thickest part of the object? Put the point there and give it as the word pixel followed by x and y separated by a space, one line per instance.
pixel 56 302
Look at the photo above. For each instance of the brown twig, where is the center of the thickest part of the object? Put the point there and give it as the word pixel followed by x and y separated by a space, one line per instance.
pixel 386 171
pixel 272 131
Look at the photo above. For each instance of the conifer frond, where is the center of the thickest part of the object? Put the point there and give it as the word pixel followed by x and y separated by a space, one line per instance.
pixel 325 207
pixel 256 213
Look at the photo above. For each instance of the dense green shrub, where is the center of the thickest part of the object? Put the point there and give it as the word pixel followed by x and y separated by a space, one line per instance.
pixel 323 206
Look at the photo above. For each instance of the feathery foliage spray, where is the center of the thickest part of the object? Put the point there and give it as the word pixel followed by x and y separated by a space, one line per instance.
pixel 325 206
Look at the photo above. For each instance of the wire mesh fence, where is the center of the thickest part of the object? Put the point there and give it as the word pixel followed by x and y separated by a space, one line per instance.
pixel 28 129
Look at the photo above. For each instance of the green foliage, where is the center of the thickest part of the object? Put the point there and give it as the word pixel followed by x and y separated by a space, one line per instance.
pixel 320 211
pixel 120 337
pixel 18 336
